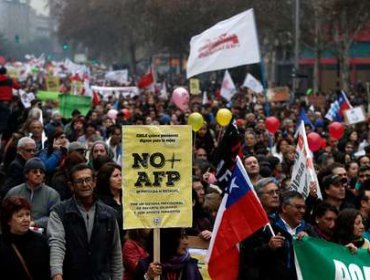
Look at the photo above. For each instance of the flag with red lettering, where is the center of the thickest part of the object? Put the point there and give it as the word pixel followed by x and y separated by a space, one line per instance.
pixel 229 43
pixel 239 216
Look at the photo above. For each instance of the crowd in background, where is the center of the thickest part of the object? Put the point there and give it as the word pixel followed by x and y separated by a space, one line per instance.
pixel 38 176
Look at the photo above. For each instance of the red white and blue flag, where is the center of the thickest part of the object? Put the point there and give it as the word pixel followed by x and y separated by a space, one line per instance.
pixel 239 216
pixel 337 108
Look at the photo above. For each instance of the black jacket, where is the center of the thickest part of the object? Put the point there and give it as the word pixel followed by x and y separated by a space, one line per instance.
pixel 14 174
pixel 87 260
pixel 35 251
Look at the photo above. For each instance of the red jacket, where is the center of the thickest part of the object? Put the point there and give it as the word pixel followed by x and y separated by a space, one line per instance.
pixel 6 87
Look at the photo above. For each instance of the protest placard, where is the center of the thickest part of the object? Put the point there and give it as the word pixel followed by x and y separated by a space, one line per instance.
pixel 355 115
pixel 318 101
pixel 52 84
pixel 194 86
pixel 278 94
pixel 67 103
pixel 156 168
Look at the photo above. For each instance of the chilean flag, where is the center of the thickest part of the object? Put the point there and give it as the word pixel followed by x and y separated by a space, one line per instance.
pixel 239 216
pixel 337 108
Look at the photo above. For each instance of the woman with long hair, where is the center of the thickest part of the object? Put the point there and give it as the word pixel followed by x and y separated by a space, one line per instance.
pixel 176 263
pixel 109 189
pixel 24 254
pixel 349 230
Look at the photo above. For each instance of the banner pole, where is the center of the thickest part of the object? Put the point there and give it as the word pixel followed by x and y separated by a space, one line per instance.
pixel 156 247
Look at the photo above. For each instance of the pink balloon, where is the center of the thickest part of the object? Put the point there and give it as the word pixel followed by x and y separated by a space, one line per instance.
pixel 272 124
pixel 336 130
pixel 314 141
pixel 112 113
pixel 180 96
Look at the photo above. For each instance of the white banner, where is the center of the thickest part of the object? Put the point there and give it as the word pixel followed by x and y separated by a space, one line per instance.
pixel 118 91
pixel 120 76
pixel 303 169
pixel 229 43
pixel 252 83
pixel 228 87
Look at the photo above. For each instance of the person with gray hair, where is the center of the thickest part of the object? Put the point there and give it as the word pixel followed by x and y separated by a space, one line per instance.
pixel 26 149
pixel 268 193
pixel 263 245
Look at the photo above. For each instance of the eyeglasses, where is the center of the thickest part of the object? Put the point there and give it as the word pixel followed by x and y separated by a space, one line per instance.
pixel 272 192
pixel 30 150
pixel 82 181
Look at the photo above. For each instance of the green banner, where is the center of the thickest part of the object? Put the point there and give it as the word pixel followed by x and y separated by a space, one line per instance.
pixel 67 103
pixel 318 259
pixel 47 95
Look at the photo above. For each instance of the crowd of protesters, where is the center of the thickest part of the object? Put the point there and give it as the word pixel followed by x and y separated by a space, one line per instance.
pixel 68 188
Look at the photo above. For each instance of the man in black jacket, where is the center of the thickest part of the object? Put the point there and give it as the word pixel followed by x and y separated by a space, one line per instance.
pixel 258 249
pixel 83 234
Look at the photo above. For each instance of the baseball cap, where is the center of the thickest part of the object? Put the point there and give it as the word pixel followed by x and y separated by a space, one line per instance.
pixel 75 146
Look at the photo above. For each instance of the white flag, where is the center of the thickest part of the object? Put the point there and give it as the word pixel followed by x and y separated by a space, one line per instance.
pixel 163 93
pixel 205 98
pixel 252 83
pixel 303 169
pixel 229 43
pixel 227 88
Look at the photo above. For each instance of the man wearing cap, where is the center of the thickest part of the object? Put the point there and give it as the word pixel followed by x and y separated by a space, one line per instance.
pixel 41 197
pixel 26 149
pixel 78 147
pixel 335 191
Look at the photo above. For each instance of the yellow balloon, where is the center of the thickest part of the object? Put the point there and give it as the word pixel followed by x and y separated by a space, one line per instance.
pixel 196 121
pixel 223 117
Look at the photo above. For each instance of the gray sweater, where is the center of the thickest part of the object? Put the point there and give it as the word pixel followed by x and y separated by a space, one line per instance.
pixel 42 200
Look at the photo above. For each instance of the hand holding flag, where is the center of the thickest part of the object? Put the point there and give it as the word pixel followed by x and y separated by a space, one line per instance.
pixel 239 216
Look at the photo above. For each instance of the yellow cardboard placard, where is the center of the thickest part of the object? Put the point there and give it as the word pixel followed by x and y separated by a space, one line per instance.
pixel 194 86
pixel 52 84
pixel 156 168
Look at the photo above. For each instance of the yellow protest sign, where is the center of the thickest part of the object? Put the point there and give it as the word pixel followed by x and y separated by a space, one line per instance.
pixel 156 168
pixel 194 86
pixel 52 84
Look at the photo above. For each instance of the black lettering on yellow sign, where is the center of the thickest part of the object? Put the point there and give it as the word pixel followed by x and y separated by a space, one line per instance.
pixel 156 160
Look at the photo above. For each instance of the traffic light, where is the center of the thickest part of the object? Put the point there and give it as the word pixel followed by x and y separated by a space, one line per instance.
pixel 65 46
pixel 17 39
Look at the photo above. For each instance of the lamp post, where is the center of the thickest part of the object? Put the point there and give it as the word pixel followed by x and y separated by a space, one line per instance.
pixel 296 47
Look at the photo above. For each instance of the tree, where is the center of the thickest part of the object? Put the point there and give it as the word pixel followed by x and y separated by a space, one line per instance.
pixel 346 19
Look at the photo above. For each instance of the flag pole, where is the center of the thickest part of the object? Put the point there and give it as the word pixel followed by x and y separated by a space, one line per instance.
pixel 270 228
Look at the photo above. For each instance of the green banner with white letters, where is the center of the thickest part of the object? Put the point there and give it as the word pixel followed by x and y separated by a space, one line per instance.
pixel 318 259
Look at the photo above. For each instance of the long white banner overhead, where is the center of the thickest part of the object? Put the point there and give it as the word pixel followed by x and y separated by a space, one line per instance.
pixel 229 43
